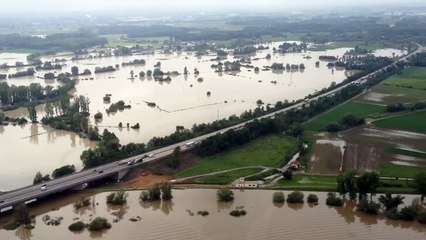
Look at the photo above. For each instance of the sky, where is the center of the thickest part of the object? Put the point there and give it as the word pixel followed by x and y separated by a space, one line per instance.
pixel 21 6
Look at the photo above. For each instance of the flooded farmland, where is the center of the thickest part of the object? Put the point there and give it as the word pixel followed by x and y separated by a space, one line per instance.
pixel 182 101
pixel 178 219
pixel 363 149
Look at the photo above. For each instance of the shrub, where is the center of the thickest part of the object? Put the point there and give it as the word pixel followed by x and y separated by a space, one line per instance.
pixel 407 213
pixel 237 213
pixel 152 194
pixel 98 115
pixel 99 224
pixel 333 127
pixel 332 200
pixel 117 198
pixel 369 207
pixel 225 195
pixel 77 226
pixel 421 217
pixel 287 174
pixel 83 202
pixel 312 198
pixel 295 197
pixel 203 213
pixel 278 197
pixel 393 214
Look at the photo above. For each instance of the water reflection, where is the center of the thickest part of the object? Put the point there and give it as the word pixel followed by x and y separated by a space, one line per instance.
pixel 23 233
pixel 296 206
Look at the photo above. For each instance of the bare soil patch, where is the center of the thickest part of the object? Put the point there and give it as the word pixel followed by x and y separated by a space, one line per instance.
pixel 157 171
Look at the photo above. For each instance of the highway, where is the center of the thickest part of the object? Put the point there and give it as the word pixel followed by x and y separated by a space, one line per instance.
pixel 86 176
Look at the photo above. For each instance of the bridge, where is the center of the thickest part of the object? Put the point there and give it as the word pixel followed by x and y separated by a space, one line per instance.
pixel 118 170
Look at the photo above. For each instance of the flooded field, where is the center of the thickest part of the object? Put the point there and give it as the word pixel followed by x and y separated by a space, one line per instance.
pixel 182 101
pixel 363 149
pixel 178 219
pixel 31 148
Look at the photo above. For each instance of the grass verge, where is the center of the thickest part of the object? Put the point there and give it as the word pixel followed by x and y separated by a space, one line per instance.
pixel 393 170
pixel 265 151
pixel 225 178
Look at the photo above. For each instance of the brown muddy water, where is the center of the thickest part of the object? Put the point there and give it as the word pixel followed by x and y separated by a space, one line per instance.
pixel 178 219
pixel 182 101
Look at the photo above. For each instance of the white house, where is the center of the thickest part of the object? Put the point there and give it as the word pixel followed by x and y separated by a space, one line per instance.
pixel 242 183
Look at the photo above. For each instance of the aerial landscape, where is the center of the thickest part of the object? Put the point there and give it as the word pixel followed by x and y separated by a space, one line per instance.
pixel 213 119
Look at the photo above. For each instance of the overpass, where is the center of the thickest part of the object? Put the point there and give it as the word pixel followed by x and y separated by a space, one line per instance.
pixel 118 169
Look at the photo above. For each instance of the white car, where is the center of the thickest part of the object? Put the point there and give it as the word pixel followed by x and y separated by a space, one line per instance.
pixel 43 187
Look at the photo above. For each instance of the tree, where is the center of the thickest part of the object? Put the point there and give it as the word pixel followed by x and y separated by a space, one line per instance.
pixel 174 159
pixel 288 174
pixel 32 113
pixel 419 183
pixel 99 224
pixel 367 183
pixel 117 198
pixel 278 197
pixel 295 197
pixel 312 198
pixel 62 171
pixel 166 191
pixel 152 194
pixel 22 215
pixel 333 200
pixel 39 178
pixel 346 184
pixel 225 195
pixel 390 202
pixel 74 71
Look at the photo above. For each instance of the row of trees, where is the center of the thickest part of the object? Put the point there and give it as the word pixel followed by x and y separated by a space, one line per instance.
pixel 59 172
pixel 12 96
pixel 349 183
pixel 109 150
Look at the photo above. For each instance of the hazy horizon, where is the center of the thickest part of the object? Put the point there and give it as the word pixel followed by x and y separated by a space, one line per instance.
pixel 151 6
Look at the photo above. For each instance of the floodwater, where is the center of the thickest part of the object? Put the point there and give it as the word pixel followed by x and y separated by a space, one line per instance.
pixel 178 219
pixel 30 148
pixel 183 101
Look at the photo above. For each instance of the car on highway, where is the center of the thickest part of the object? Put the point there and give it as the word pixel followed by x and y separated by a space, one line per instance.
pixel 43 187
pixel 101 171
pixel 138 160
pixel 151 155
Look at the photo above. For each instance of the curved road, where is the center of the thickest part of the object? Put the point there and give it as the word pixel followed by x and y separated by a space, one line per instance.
pixel 77 179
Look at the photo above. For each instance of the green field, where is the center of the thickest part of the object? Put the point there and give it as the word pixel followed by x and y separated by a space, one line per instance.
pixel 265 151
pixel 225 178
pixel 392 94
pixel 334 45
pixel 121 40
pixel 413 122
pixel 405 152
pixel 310 182
pixel 393 170
pixel 413 77
pixel 356 108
